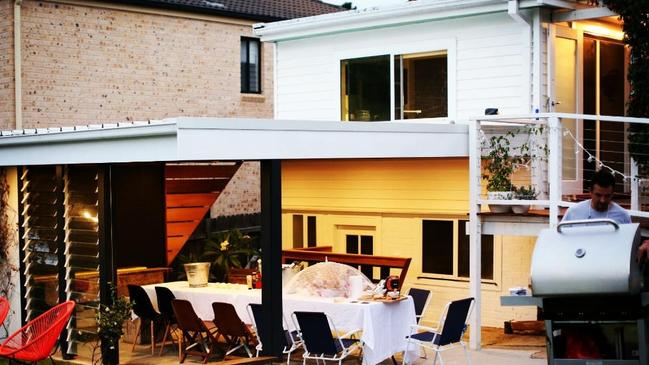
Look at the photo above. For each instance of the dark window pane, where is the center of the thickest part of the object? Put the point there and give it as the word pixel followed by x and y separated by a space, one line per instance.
pixel 250 65
pixel 311 231
pixel 437 244
pixel 463 253
pixel 367 243
pixel 365 89
pixel 298 231
pixel 423 89
pixel 352 244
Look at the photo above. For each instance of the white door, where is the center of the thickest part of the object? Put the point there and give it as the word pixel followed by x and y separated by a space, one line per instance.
pixel 566 97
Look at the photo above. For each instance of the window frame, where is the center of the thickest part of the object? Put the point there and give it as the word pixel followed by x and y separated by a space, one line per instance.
pixel 455 277
pixel 448 45
pixel 245 88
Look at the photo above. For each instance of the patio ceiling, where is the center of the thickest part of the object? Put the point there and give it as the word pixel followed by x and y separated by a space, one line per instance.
pixel 203 139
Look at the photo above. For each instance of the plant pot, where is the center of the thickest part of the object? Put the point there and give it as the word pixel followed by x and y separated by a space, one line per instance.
pixel 197 274
pixel 520 209
pixel 499 195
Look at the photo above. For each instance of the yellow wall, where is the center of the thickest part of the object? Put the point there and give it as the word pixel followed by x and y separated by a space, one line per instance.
pixel 389 199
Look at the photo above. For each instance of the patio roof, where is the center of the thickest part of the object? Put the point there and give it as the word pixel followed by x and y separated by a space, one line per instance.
pixel 201 139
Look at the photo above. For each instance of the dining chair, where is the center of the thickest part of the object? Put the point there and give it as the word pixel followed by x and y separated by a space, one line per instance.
pixel 36 340
pixel 319 342
pixel 292 339
pixel 448 335
pixel 421 299
pixel 198 339
pixel 231 327
pixel 143 308
pixel 164 297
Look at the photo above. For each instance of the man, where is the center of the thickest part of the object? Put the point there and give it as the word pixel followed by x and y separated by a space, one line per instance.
pixel 601 206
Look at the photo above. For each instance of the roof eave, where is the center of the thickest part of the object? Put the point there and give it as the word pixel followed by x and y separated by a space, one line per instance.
pixel 410 13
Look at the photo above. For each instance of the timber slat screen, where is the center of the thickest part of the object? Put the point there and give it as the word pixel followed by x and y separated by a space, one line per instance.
pixel 323 253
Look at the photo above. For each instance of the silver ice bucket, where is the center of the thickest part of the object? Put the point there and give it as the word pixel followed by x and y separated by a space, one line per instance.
pixel 197 274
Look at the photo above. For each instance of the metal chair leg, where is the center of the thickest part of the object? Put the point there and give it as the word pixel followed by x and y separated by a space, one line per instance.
pixel 435 359
pixel 466 353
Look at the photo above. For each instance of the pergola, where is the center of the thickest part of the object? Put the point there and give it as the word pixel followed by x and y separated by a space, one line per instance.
pixel 215 139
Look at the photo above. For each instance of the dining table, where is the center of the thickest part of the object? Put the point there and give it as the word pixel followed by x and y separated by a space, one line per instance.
pixel 384 325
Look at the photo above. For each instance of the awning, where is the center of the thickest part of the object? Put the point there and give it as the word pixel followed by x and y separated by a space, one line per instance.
pixel 203 139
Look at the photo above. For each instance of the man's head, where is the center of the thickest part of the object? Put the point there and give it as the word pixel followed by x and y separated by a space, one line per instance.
pixel 601 190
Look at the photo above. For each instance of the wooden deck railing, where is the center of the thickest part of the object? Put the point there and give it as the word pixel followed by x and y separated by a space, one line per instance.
pixel 324 253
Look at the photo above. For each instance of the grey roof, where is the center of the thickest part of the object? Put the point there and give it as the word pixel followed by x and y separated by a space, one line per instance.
pixel 260 10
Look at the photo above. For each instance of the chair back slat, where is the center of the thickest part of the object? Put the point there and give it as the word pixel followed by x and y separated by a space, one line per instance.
pixel 142 306
pixel 227 320
pixel 164 297
pixel 186 316
pixel 454 324
pixel 316 333
pixel 420 299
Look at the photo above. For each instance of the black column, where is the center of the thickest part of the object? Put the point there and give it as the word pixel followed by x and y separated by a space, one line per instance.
pixel 107 272
pixel 271 246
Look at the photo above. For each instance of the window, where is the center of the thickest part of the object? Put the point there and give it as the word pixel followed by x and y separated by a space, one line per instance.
pixel 250 65
pixel 366 89
pixel 420 88
pixel 445 249
pixel 299 228
pixel 366 247
pixel 311 231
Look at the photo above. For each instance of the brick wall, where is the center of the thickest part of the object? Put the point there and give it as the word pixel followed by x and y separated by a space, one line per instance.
pixel 85 64
pixel 241 195
pixel 6 65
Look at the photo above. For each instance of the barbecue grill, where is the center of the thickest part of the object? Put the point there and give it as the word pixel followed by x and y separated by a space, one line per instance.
pixel 591 290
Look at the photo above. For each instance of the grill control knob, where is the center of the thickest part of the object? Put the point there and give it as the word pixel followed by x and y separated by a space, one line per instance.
pixel 580 253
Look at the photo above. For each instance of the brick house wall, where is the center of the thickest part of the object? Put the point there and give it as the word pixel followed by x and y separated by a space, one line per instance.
pixel 90 62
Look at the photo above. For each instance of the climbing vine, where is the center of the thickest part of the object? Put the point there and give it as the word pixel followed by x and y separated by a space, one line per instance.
pixel 635 15
pixel 7 269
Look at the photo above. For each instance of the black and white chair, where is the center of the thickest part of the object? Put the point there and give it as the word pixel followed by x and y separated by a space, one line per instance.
pixel 292 339
pixel 319 342
pixel 449 333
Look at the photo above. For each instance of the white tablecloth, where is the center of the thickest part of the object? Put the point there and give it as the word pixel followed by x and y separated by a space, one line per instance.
pixel 384 325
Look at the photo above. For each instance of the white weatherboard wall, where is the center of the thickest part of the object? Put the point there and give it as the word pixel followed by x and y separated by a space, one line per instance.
pixel 489 65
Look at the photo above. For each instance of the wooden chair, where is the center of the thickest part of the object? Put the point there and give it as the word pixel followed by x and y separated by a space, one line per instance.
pixel 164 297
pixel 198 340
pixel 232 328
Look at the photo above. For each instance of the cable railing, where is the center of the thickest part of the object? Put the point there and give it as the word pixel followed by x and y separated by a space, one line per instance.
pixel 553 155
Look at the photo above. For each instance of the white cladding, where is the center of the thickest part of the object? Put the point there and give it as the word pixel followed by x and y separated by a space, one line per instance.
pixel 489 60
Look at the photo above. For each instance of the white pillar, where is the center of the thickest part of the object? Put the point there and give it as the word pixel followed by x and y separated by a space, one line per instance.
pixel 635 186
pixel 475 272
pixel 554 168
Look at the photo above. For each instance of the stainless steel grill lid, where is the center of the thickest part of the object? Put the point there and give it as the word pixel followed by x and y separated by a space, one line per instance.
pixel 587 257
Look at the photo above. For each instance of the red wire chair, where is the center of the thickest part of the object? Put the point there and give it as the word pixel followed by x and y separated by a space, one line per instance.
pixel 35 341
pixel 4 309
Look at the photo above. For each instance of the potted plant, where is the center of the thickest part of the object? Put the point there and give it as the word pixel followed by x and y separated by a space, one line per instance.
pixel 110 328
pixel 523 193
pixel 500 165
pixel 227 250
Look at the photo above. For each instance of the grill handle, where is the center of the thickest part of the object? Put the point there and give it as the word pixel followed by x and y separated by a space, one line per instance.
pixel 587 222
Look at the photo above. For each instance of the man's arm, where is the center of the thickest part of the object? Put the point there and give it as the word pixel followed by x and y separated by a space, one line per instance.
pixel 643 251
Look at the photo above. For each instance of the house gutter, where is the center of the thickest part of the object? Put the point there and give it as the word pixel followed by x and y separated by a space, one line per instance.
pixel 372 18
pixel 18 82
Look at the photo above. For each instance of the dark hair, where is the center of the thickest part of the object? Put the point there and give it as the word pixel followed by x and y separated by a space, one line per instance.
pixel 602 178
